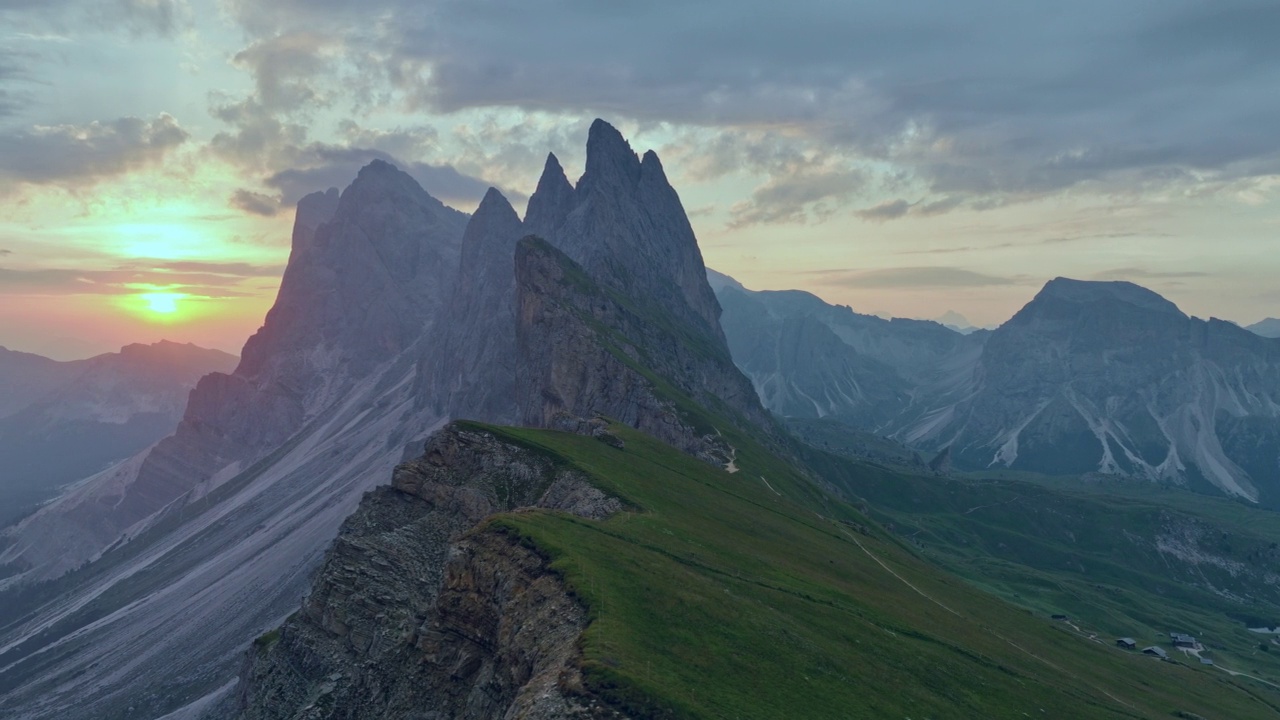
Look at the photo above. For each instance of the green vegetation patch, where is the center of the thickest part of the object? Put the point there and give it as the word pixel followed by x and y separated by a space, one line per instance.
pixel 753 595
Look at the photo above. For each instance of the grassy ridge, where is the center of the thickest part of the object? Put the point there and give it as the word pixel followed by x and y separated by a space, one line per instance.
pixel 753 595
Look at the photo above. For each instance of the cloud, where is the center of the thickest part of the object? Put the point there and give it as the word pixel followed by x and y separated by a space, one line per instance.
pixel 1132 273
pixel 912 277
pixel 138 17
pixel 939 207
pixel 334 166
pixel 264 141
pixel 887 210
pixel 282 67
pixel 5 251
pixel 195 278
pixel 970 99
pixel 255 203
pixel 83 154
pixel 795 194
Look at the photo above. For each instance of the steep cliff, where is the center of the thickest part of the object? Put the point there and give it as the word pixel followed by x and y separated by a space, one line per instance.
pixel 368 271
pixel 415 614
pixel 587 351
pixel 610 280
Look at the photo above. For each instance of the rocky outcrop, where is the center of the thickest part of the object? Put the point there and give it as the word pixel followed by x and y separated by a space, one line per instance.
pixel 412 616
pixel 585 351
pixel 470 370
pixel 213 534
pixel 625 226
pixel 534 331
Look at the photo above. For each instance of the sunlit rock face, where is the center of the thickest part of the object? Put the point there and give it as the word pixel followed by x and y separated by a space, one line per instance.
pixel 367 273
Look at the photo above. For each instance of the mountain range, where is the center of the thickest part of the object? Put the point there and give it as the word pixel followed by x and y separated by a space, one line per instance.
pixel 489 466
pixel 1089 378
pixel 1269 328
pixel 64 421
pixel 395 313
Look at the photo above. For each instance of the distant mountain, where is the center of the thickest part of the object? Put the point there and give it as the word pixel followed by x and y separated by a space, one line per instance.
pixel 955 321
pixel 62 421
pixel 1089 377
pixel 1269 328
pixel 1110 377
pixel 808 359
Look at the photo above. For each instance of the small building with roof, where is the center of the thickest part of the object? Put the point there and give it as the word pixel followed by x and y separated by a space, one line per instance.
pixel 1155 651
pixel 1127 643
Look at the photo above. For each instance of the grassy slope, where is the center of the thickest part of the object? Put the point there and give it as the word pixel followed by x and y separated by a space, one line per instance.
pixel 723 598
pixel 1054 549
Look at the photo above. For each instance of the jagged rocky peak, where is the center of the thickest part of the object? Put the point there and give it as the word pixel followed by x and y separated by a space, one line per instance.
pixel 625 225
pixel 494 212
pixel 467 371
pixel 358 291
pixel 313 211
pixel 610 159
pixel 551 202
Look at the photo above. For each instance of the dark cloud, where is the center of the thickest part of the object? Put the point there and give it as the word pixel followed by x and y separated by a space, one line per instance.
pixel 282 67
pixel 794 194
pixel 81 154
pixel 939 207
pixel 332 166
pixel 887 210
pixel 975 98
pixel 912 277
pixel 255 203
pixel 5 251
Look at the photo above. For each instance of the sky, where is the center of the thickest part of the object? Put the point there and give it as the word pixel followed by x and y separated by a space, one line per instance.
pixel 906 158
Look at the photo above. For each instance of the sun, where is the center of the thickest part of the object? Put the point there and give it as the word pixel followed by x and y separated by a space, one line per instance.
pixel 162 303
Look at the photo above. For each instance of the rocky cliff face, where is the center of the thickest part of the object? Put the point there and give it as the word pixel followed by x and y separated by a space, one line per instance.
pixel 624 224
pixel 1112 378
pixel 1089 377
pixel 583 351
pixel 367 273
pixel 535 330
pixel 808 359
pixel 414 616
pixel 200 542
pixel 470 370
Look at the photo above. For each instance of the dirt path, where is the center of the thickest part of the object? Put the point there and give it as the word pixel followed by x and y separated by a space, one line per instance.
pixel 989 631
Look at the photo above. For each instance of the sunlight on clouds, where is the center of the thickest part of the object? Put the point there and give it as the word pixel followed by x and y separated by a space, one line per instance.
pixel 163 241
